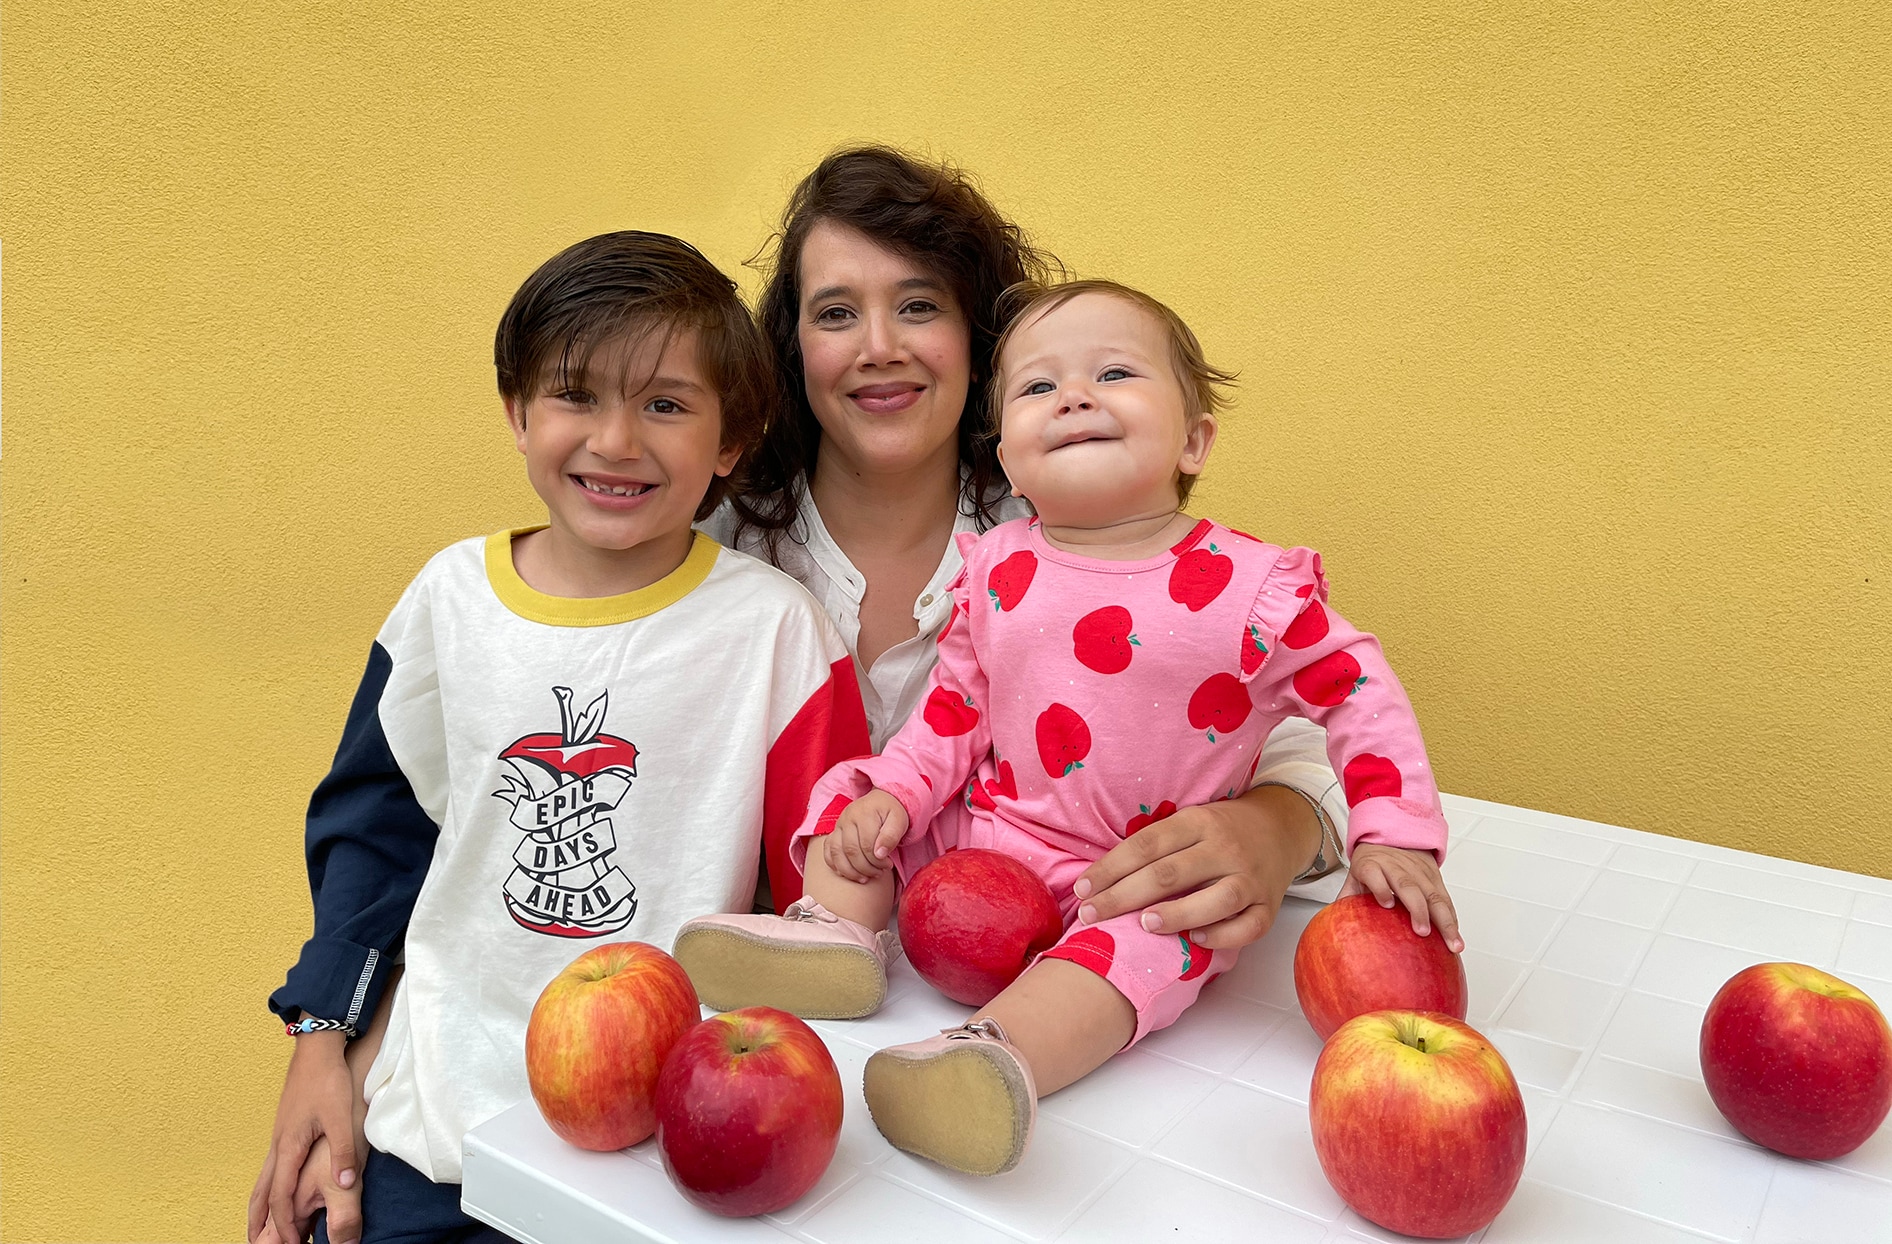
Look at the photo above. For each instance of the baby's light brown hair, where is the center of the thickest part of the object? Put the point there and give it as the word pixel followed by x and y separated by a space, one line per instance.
pixel 1205 387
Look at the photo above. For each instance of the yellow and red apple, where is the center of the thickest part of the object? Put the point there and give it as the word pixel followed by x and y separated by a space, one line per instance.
pixel 597 1040
pixel 1356 956
pixel 972 919
pixel 749 1112
pixel 1797 1060
pixel 1417 1122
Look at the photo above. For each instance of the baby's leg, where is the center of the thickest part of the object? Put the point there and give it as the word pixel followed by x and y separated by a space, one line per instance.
pixel 1066 1020
pixel 868 903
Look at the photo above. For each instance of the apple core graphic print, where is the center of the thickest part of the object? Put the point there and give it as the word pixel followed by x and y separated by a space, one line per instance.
pixel 562 788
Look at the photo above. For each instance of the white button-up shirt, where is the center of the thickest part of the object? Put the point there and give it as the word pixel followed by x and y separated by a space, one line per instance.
pixel 1295 754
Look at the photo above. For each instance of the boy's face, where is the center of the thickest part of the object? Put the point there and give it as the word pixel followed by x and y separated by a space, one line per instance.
pixel 623 455
pixel 1093 427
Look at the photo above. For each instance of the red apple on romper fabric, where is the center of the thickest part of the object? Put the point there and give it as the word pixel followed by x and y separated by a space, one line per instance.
pixel 1417 1122
pixel 1063 740
pixel 1102 639
pixel 1089 947
pixel 1356 956
pixel 1798 1060
pixel 749 1110
pixel 598 1037
pixel 1220 703
pixel 1199 576
pixel 1330 680
pixel 1309 626
pixel 1010 579
pixel 1254 649
pixel 949 713
pixel 1147 816
pixel 1367 776
pixel 972 919
pixel 1195 959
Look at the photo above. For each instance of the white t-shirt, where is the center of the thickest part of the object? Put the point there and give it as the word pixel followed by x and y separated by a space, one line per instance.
pixel 599 769
pixel 1294 755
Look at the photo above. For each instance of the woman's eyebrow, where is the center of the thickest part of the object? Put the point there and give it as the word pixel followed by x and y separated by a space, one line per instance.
pixel 912 282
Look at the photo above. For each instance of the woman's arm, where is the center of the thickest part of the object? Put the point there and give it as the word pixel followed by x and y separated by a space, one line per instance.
pixel 1217 872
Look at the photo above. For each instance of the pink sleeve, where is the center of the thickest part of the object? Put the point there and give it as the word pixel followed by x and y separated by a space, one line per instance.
pixel 1317 666
pixel 929 759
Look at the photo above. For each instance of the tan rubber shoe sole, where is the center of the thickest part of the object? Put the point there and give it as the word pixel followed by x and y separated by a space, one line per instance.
pixel 732 969
pixel 968 1107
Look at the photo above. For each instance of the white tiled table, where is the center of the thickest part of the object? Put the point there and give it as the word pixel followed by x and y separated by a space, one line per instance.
pixel 1592 951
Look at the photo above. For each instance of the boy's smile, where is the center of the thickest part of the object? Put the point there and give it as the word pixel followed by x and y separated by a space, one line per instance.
pixel 622 455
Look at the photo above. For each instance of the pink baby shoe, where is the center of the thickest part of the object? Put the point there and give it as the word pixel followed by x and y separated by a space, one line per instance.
pixel 806 961
pixel 964 1099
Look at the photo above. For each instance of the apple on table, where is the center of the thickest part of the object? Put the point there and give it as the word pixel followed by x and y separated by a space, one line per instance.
pixel 1355 956
pixel 1417 1122
pixel 1797 1060
pixel 749 1112
pixel 597 1039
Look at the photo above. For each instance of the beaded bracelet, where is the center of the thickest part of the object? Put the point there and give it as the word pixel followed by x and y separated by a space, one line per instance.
pixel 307 1025
pixel 1329 837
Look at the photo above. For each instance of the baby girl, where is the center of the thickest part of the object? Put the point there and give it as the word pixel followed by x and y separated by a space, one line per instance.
pixel 1106 661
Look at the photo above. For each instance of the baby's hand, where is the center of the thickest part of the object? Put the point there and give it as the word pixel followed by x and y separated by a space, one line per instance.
pixel 865 835
pixel 1410 877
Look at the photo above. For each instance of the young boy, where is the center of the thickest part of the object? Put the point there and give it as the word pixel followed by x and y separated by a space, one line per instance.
pixel 569 732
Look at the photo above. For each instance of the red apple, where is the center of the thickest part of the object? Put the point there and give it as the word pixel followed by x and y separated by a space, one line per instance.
pixel 1417 1122
pixel 949 714
pixel 597 1040
pixel 1064 739
pixel 1102 639
pixel 1007 583
pixel 972 919
pixel 1220 703
pixel 1356 956
pixel 1797 1060
pixel 748 1112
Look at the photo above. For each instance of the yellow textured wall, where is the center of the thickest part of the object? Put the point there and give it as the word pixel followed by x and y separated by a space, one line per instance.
pixel 1564 335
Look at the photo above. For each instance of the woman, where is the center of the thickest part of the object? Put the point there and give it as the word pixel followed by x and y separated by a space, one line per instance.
pixel 882 305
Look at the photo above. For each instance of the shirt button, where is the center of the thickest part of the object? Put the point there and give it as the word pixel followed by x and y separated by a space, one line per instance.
pixel 926 600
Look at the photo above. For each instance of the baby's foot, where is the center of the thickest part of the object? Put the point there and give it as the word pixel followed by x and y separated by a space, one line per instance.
pixel 965 1098
pixel 806 961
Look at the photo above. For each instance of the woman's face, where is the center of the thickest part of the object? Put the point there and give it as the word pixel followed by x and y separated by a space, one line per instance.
pixel 886 353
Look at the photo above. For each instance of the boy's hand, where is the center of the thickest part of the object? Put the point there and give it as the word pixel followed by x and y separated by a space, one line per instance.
pixel 1393 874
pixel 865 835
pixel 318 1097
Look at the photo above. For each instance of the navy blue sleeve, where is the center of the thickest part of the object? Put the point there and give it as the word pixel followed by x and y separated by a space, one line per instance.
pixel 369 845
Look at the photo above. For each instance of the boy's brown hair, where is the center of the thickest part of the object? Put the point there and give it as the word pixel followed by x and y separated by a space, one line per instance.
pixel 624 285
pixel 1204 385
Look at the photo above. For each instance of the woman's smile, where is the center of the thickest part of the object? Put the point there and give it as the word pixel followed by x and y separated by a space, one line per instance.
pixel 884 399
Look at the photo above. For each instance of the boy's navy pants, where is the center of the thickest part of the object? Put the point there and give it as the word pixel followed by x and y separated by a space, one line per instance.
pixel 399 1205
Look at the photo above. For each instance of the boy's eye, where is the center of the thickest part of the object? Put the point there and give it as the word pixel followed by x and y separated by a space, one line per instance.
pixel 575 397
pixel 663 406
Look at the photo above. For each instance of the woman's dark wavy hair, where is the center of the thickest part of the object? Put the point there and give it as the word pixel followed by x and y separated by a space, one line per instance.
pixel 932 214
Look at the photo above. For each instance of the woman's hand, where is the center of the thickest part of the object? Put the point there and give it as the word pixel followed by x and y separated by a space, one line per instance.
pixel 1393 874
pixel 1217 872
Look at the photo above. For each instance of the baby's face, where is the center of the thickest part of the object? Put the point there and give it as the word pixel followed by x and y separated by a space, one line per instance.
pixel 1093 428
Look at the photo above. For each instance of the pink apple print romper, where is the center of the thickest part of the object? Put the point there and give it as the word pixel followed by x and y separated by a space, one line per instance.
pixel 1077 700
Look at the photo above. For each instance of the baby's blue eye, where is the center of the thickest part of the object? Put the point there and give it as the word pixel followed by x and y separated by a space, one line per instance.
pixel 1114 373
pixel 1036 387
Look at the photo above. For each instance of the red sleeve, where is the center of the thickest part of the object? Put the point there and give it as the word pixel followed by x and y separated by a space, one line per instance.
pixel 830 727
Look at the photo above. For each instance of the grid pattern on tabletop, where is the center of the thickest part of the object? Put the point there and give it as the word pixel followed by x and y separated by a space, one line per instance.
pixel 1593 951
